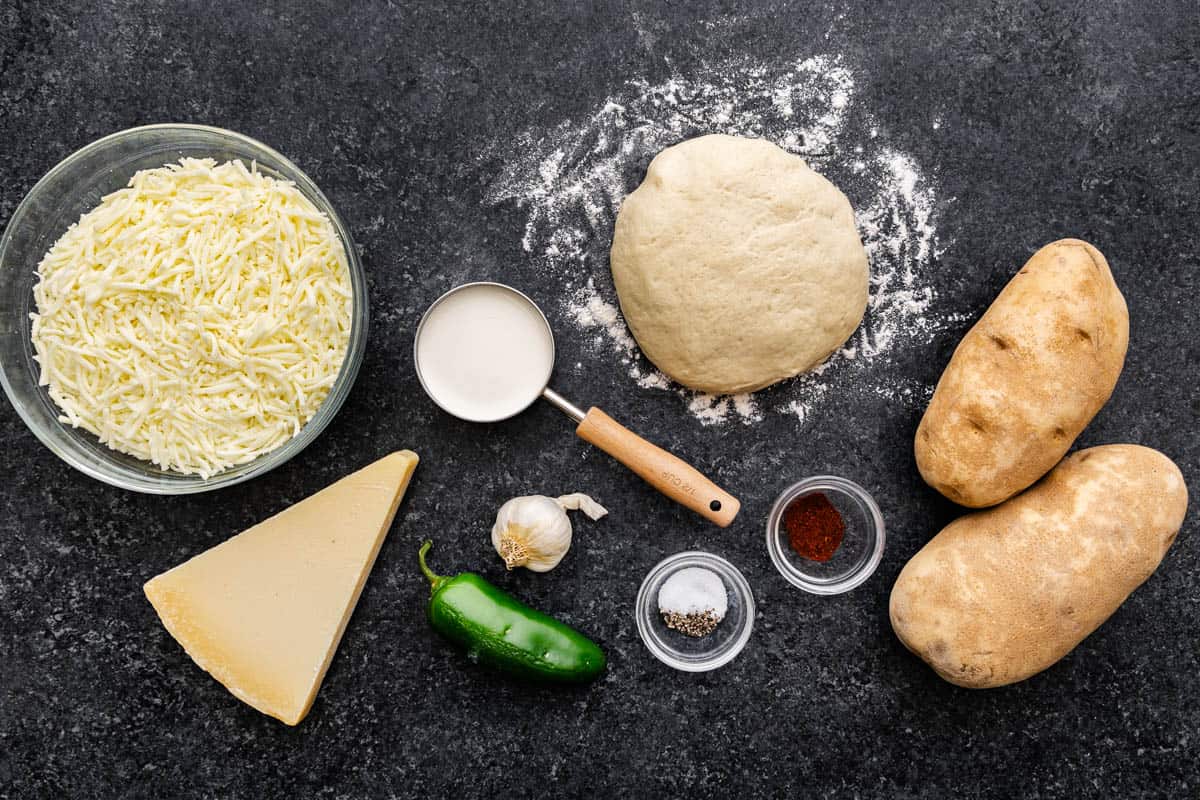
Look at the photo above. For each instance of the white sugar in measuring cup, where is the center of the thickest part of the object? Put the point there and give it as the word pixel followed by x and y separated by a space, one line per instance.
pixel 484 352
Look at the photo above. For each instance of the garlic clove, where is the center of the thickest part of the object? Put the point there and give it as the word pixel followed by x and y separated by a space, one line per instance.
pixel 535 532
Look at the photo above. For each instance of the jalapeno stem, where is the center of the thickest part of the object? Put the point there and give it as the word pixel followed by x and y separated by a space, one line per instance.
pixel 435 580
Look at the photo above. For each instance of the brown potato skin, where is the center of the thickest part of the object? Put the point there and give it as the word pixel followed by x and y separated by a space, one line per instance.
pixel 1000 595
pixel 1026 379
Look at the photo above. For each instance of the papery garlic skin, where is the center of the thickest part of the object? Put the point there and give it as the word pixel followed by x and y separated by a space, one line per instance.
pixel 535 532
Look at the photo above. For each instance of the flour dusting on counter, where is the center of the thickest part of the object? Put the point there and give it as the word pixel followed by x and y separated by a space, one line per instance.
pixel 570 182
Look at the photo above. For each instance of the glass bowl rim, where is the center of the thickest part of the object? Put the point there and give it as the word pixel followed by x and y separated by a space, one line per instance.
pixel 876 534
pixel 181 484
pixel 645 609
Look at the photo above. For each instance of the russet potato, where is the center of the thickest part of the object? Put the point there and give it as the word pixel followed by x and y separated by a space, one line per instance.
pixel 1000 595
pixel 1026 379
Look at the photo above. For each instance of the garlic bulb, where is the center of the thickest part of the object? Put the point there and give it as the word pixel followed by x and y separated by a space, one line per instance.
pixel 534 531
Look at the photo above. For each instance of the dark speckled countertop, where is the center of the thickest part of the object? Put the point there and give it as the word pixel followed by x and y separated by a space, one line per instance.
pixel 1033 121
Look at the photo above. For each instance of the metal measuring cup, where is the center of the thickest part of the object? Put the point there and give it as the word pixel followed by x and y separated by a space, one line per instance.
pixel 517 389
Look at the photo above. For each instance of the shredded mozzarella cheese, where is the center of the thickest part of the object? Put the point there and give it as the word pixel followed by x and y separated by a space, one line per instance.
pixel 195 319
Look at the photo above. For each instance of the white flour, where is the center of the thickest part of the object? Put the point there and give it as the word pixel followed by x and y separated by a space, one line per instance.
pixel 571 180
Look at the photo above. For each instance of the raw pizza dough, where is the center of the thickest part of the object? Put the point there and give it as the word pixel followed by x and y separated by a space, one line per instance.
pixel 736 265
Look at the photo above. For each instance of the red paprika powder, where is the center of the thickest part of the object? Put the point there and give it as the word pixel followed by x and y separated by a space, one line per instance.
pixel 814 527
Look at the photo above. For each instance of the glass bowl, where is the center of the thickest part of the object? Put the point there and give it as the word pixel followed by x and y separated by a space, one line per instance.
pixel 856 557
pixel 57 201
pixel 688 653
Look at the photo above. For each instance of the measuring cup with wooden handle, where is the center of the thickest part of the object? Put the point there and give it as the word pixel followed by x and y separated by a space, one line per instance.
pixel 484 352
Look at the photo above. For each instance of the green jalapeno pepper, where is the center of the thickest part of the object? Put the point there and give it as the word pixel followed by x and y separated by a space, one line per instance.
pixel 501 631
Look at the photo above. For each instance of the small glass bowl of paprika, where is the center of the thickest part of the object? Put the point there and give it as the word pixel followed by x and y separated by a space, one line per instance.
pixel 825 534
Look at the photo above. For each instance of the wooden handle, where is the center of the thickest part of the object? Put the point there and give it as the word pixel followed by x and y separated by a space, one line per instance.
pixel 672 476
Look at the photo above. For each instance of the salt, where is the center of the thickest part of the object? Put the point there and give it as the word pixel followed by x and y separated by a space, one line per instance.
pixel 694 590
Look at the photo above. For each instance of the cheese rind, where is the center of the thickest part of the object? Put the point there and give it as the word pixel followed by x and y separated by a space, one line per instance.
pixel 263 612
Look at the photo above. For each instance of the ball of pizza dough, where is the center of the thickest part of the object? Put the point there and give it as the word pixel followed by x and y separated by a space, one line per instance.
pixel 736 265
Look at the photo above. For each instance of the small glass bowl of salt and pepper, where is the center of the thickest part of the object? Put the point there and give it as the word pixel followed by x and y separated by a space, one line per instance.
pixel 825 534
pixel 695 611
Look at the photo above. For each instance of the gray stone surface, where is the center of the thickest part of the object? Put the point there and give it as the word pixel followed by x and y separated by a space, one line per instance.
pixel 1057 118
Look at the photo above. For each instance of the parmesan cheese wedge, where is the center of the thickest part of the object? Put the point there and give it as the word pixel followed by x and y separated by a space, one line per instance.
pixel 263 612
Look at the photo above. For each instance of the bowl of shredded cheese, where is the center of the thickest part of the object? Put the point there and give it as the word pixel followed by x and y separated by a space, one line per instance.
pixel 181 308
